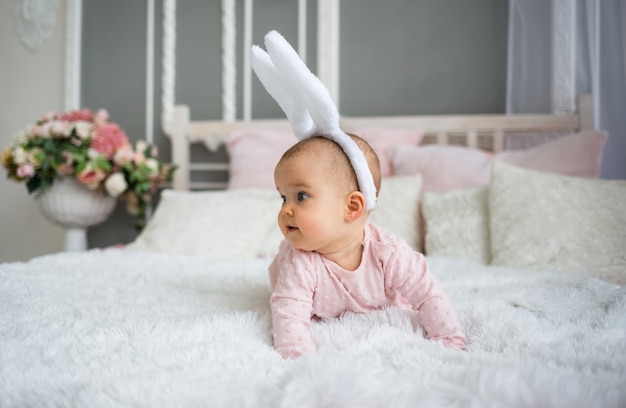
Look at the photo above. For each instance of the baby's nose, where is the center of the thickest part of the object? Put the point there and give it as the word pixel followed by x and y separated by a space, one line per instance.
pixel 286 210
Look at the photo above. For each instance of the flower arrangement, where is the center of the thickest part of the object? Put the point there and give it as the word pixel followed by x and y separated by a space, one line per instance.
pixel 97 152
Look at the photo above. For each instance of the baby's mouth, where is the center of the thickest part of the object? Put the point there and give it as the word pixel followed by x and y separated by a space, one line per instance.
pixel 291 228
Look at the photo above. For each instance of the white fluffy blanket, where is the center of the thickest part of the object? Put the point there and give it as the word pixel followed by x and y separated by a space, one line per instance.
pixel 118 328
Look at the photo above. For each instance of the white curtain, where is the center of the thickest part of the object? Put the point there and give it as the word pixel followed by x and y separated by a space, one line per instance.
pixel 600 66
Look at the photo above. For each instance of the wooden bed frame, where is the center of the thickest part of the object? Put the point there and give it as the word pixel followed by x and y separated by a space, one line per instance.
pixel 489 132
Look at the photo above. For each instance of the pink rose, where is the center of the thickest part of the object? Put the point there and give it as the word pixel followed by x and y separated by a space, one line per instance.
pixel 75 116
pixel 123 155
pixel 34 131
pixel 67 167
pixel 48 116
pixel 26 170
pixel 138 158
pixel 108 139
pixel 102 117
pixel 91 178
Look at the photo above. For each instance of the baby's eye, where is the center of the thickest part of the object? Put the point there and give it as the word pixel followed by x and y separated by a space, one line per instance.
pixel 302 196
pixel 283 199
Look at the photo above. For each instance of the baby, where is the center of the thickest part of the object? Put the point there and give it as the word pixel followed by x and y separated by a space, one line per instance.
pixel 333 260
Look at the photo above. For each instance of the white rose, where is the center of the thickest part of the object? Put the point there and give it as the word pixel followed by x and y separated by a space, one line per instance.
pixel 44 130
pixel 59 128
pixel 22 137
pixel 153 165
pixel 83 129
pixel 32 157
pixel 19 155
pixel 115 184
pixel 141 146
pixel 93 154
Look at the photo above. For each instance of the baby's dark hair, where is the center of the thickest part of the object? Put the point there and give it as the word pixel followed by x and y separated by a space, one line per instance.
pixel 337 159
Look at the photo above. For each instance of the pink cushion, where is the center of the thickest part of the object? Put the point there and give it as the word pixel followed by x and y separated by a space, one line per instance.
pixel 446 168
pixel 255 152
pixel 383 139
pixel 443 168
pixel 579 154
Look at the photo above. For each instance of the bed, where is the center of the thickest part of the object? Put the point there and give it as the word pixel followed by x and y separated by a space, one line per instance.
pixel 527 242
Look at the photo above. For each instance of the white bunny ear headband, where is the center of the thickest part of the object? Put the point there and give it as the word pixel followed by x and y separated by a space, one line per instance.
pixel 307 104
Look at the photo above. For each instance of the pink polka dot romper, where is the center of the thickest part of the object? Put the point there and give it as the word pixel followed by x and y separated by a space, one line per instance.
pixel 306 284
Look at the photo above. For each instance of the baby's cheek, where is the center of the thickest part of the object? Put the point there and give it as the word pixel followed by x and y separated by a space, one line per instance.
pixel 311 230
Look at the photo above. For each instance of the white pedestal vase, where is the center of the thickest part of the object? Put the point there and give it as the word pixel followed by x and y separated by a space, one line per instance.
pixel 74 207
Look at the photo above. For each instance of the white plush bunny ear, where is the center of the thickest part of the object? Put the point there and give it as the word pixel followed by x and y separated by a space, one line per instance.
pixel 297 75
pixel 307 104
pixel 287 98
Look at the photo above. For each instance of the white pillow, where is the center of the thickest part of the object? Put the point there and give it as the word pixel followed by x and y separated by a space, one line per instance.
pixel 397 208
pixel 457 224
pixel 543 220
pixel 273 237
pixel 241 223
pixel 229 224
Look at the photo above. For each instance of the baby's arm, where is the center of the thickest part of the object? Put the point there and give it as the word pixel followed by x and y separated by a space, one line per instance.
pixel 414 280
pixel 439 321
pixel 291 305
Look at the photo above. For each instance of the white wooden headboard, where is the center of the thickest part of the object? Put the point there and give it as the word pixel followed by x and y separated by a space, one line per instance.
pixel 480 131
pixel 489 132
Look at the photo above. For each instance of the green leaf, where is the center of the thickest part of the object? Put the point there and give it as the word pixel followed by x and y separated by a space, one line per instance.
pixel 33 184
pixel 49 146
pixel 80 165
pixel 45 164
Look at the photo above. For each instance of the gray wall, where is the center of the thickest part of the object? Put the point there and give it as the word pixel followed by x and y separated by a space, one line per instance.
pixel 31 84
pixel 397 57
pixel 113 77
pixel 423 57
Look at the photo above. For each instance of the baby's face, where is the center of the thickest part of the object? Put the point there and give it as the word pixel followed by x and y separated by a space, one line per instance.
pixel 313 209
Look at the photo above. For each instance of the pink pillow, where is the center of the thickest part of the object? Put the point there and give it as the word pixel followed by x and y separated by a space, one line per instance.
pixel 254 154
pixel 579 154
pixel 443 168
pixel 383 139
pixel 446 168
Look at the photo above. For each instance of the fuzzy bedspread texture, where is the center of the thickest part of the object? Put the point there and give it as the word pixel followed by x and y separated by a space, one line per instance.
pixel 110 328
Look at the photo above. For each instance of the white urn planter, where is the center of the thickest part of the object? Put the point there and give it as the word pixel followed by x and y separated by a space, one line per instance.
pixel 76 208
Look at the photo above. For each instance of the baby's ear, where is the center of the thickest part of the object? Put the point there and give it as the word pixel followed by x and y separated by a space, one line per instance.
pixel 355 205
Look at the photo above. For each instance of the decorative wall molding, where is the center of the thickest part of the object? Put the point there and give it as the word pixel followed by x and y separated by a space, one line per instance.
pixel 328 46
pixel 150 71
pixel 34 21
pixel 248 12
pixel 168 60
pixel 328 61
pixel 73 35
pixel 563 56
pixel 229 61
